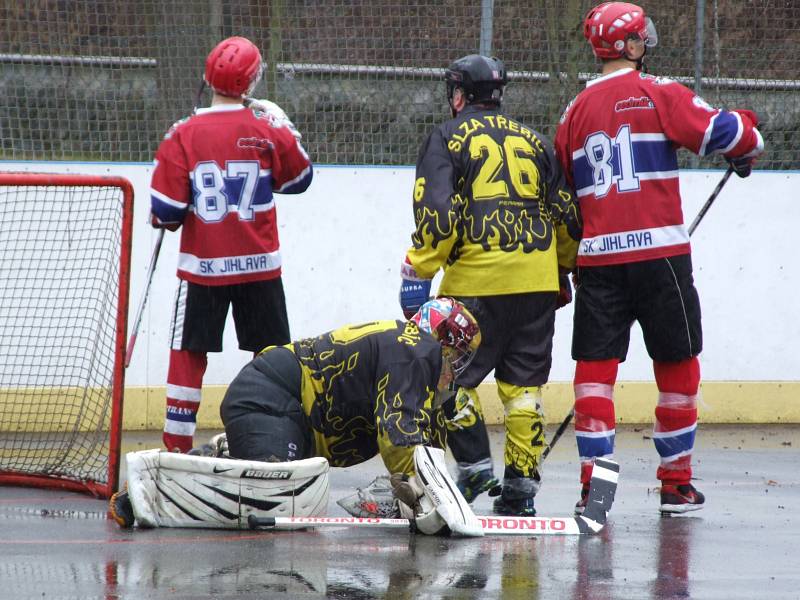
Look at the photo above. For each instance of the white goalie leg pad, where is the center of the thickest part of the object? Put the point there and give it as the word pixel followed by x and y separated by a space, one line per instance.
pixel 441 490
pixel 178 490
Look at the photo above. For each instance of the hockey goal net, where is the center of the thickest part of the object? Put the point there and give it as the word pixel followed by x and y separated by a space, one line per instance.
pixel 64 268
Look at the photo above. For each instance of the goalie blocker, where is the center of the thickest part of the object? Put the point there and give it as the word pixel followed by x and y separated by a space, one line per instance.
pixel 431 500
pixel 168 489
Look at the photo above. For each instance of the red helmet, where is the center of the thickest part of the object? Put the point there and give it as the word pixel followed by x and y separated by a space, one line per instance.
pixel 453 325
pixel 609 25
pixel 233 67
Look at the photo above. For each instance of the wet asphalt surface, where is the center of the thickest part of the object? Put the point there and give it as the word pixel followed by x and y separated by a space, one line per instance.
pixel 744 544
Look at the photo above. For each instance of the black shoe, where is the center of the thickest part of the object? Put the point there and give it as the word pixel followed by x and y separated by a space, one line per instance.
pixel 680 498
pixel 122 509
pixel 477 483
pixel 519 507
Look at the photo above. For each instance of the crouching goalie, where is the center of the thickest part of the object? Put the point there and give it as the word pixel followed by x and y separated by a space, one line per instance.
pixel 339 398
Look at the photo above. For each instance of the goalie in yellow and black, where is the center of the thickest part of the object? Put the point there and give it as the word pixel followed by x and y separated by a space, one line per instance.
pixel 493 211
pixel 352 393
pixel 345 396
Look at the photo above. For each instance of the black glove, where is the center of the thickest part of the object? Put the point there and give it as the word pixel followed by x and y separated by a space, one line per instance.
pixel 741 166
pixel 564 289
pixel 158 224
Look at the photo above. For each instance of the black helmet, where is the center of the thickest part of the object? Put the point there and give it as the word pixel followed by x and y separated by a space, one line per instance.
pixel 482 78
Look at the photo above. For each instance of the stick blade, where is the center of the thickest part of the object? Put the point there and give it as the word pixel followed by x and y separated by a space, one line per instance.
pixel 602 488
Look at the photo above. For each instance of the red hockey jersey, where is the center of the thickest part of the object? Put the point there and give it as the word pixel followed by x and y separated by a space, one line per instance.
pixel 215 173
pixel 618 141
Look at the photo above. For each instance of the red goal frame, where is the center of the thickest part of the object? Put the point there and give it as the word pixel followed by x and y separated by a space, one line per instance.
pixel 96 488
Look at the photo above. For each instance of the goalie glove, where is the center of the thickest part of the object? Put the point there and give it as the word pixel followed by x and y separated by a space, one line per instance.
pixel 374 501
pixel 414 290
pixel 274 113
pixel 415 506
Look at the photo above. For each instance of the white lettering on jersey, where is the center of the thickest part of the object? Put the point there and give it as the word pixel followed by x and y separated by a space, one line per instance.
pixel 628 241
pixel 229 265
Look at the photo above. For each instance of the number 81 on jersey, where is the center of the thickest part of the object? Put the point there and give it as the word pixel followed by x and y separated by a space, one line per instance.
pixel 611 161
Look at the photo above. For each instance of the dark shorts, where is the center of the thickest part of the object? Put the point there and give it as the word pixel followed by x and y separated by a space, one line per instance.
pixel 259 314
pixel 262 412
pixel 659 294
pixel 516 338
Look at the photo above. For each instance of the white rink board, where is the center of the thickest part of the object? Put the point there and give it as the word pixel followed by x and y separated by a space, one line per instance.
pixel 343 239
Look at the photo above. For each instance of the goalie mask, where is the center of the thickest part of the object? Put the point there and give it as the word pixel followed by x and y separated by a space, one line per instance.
pixel 454 327
pixel 481 78
pixel 609 25
pixel 234 67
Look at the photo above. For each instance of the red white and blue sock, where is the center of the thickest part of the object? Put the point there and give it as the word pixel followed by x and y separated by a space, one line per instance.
pixel 184 384
pixel 676 418
pixel 595 421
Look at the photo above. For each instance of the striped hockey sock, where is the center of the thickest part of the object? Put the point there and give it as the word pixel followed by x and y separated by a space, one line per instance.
pixel 184 383
pixel 676 418
pixel 594 412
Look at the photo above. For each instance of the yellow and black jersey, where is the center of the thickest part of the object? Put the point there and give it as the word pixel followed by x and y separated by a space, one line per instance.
pixel 492 208
pixel 369 389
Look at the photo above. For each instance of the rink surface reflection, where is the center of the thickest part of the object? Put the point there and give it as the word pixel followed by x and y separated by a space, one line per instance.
pixel 745 544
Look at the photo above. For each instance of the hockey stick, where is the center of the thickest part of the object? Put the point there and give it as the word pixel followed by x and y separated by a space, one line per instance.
pixel 153 259
pixel 137 321
pixel 565 423
pixel 559 432
pixel 710 200
pixel 490 525
pixel 602 488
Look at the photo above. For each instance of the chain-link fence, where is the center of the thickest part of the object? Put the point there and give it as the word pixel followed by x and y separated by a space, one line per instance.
pixel 362 79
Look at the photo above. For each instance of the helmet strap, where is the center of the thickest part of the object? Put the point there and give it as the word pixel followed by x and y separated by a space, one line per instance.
pixel 638 61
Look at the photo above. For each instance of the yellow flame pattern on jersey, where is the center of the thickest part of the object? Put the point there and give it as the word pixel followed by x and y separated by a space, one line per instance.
pixel 492 209
pixel 353 416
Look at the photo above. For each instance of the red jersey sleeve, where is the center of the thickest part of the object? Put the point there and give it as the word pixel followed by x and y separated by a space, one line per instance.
pixel 689 121
pixel 291 167
pixel 170 187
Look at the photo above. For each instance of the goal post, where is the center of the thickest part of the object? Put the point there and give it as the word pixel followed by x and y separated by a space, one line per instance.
pixel 65 248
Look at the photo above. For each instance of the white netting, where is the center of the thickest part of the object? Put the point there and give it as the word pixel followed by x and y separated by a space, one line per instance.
pixel 60 249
